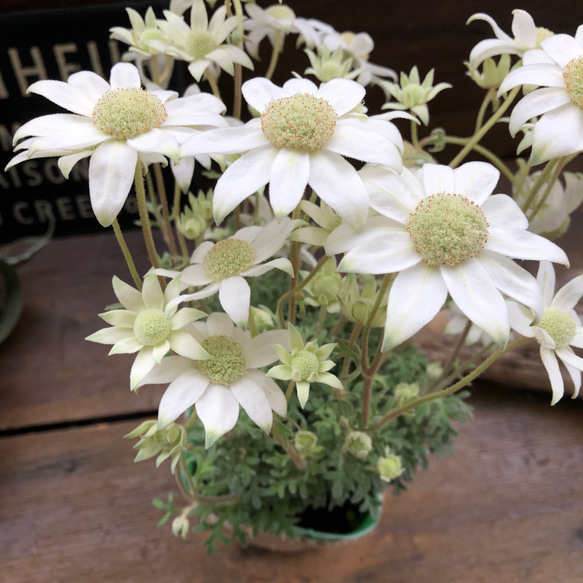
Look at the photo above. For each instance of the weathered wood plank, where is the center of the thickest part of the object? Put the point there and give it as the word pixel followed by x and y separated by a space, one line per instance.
pixel 49 373
pixel 505 509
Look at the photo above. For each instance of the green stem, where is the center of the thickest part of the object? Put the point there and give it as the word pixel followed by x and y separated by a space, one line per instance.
pixel 543 177
pixel 488 98
pixel 277 47
pixel 127 254
pixel 465 381
pixel 485 128
pixel 321 319
pixel 351 342
pixel 176 211
pixel 144 218
pixel 213 83
pixel 167 225
pixel 414 135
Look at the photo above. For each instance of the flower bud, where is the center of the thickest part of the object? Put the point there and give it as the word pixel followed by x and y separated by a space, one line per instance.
pixel 180 526
pixel 358 444
pixel 389 467
pixel 306 443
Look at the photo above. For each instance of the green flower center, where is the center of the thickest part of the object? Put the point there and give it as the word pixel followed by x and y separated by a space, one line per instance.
pixel 326 289
pixel 151 327
pixel 573 76
pixel 447 229
pixel 542 34
pixel 228 362
pixel 200 43
pixel 127 113
pixel 228 258
pixel 304 363
pixel 560 325
pixel 280 12
pixel 302 122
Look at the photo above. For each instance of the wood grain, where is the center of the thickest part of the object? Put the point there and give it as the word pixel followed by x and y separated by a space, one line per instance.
pixel 507 508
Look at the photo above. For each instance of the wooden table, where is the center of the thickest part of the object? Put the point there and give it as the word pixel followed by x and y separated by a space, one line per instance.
pixel 506 509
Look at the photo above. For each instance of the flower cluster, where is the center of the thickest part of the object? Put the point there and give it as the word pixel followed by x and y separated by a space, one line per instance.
pixel 339 239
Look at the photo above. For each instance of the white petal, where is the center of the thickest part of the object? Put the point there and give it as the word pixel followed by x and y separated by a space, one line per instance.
pixel 111 175
pixel 344 237
pixel 520 319
pixel 546 281
pixel 232 140
pixel 218 410
pixel 258 92
pixel 437 179
pixel 524 29
pixel 342 94
pixel 274 394
pixel 65 96
pixel 569 295
pixel 254 402
pixel 219 325
pixel 185 345
pixel 552 367
pixel 558 133
pixel 168 370
pixel 417 295
pixel 157 141
pixel 244 177
pixel 235 298
pixel 539 74
pixel 272 238
pixel 128 296
pixel 111 335
pixel 259 350
pixel 337 183
pixel 475 180
pixel 535 104
pixel 142 365
pixel 281 263
pixel 288 179
pixel 181 394
pixel 124 75
pixel 66 163
pixel 474 294
pixel 502 212
pixel 296 85
pixel 152 292
pixel 562 48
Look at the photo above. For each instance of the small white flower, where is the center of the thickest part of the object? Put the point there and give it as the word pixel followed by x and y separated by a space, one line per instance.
pixel 444 233
pixel 266 22
pixel 148 326
pixel 557 330
pixel 526 37
pixel 222 267
pixel 231 377
pixel 117 124
pixel 558 70
pixel 203 43
pixel 299 140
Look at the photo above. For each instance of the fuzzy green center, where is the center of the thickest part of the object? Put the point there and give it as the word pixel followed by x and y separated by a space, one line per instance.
pixel 227 258
pixel 200 43
pixel 227 363
pixel 573 76
pixel 127 113
pixel 447 229
pixel 151 327
pixel 304 363
pixel 302 122
pixel 542 34
pixel 560 325
pixel 280 12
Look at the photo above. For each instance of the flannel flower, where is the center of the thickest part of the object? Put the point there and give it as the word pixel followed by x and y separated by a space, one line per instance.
pixel 444 233
pixel 527 36
pixel 202 44
pixel 148 326
pixel 300 139
pixel 223 266
pixel 557 331
pixel 231 377
pixel 557 68
pixel 116 124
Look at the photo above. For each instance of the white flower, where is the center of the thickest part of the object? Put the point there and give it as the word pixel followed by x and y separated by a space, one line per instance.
pixel 217 387
pixel 444 233
pixel 222 267
pixel 312 31
pixel 266 22
pixel 117 124
pixel 557 330
pixel 300 139
pixel 148 326
pixel 558 69
pixel 553 218
pixel 202 44
pixel 526 37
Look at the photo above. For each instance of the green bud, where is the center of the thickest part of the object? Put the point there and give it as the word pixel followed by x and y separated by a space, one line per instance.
pixel 434 370
pixel 358 444
pixel 389 467
pixel 306 443
pixel 180 526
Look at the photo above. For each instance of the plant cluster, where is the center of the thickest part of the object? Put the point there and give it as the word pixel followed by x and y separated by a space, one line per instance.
pixel 280 315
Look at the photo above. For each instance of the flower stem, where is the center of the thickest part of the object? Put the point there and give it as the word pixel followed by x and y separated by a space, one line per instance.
pixel 293 454
pixel 176 211
pixel 144 218
pixel 167 225
pixel 484 129
pixel 277 46
pixel 449 390
pixel 127 254
pixel 213 83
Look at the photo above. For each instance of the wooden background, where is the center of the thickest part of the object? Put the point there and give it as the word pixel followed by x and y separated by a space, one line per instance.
pixel 506 509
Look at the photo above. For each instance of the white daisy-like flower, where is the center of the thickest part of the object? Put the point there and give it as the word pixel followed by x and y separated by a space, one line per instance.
pixel 266 22
pixel 203 43
pixel 312 31
pixel 149 326
pixel 117 124
pixel 557 330
pixel 301 139
pixel 223 266
pixel 359 46
pixel 231 377
pixel 526 37
pixel 444 233
pixel 558 70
